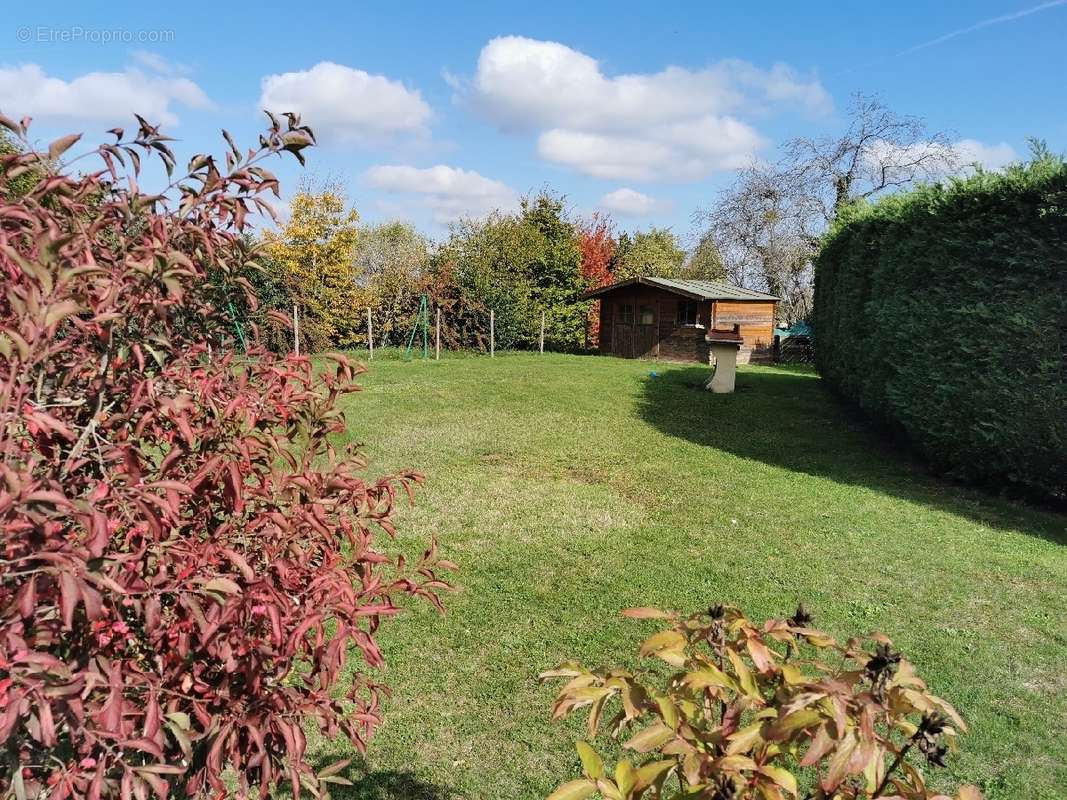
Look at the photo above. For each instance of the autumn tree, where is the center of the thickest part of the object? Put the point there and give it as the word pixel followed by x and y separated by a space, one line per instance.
pixel 315 252
pixel 596 241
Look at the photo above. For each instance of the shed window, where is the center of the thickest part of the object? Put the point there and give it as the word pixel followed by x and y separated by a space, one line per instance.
pixel 687 312
pixel 626 314
pixel 646 316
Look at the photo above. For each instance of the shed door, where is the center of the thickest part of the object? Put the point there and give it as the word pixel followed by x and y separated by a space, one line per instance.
pixel 646 333
pixel 622 329
pixel 635 331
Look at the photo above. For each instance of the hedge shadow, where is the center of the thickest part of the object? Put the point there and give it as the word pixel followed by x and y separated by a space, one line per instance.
pixel 788 418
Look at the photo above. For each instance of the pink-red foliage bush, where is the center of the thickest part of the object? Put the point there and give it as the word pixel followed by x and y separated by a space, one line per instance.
pixel 187 559
pixel 597 242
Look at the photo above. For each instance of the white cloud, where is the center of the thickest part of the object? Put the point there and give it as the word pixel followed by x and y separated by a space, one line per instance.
pixel 676 124
pixel 157 63
pixel 447 192
pixel 452 79
pixel 990 156
pixel 347 106
pixel 630 203
pixel 780 84
pixel 679 151
pixel 96 96
pixel 609 157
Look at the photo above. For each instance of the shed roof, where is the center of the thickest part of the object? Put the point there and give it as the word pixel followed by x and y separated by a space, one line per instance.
pixel 697 290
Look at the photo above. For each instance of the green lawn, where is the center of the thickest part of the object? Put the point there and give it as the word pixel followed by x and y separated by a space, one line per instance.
pixel 570 487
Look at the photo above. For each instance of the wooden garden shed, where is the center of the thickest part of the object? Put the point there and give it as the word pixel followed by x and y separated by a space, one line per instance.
pixel 669 318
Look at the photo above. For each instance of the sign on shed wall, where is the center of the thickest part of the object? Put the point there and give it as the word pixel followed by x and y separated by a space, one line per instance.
pixel 754 316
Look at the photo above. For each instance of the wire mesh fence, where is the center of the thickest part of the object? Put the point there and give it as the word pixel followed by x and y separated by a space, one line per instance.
pixel 431 332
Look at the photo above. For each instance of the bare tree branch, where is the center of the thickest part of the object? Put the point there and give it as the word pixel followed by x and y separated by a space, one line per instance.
pixel 768 223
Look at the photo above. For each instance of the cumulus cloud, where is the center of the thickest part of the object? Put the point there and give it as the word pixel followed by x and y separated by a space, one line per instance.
pixel 990 156
pixel 109 97
pixel 673 124
pixel 630 203
pixel 447 192
pixel 678 151
pixel 347 106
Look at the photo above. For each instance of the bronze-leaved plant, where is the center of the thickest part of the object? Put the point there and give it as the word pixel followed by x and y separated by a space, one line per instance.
pixel 740 711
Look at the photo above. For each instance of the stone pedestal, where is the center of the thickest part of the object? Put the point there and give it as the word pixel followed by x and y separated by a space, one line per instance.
pixel 722 351
pixel 725 355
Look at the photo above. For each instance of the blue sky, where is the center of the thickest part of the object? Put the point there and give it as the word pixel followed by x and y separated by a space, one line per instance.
pixel 430 110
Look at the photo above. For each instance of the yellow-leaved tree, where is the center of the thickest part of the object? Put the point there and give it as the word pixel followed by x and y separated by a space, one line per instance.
pixel 315 254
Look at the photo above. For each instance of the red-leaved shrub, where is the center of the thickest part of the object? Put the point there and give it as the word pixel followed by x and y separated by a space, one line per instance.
pixel 597 243
pixel 187 559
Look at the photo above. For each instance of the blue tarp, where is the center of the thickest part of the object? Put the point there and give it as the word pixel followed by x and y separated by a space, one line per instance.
pixel 796 329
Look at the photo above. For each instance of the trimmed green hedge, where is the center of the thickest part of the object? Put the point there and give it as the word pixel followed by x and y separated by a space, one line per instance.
pixel 942 312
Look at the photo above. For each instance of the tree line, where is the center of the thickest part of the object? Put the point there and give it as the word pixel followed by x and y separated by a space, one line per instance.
pixel 763 231
pixel 537 260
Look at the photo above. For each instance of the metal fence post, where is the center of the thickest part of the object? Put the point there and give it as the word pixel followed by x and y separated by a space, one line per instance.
pixel 370 334
pixel 296 329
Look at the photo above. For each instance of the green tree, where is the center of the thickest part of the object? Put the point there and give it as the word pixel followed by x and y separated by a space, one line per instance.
pixel 519 265
pixel 390 261
pixel 486 258
pixel 555 271
pixel 651 253
pixel 267 277
pixel 705 262
pixel 20 185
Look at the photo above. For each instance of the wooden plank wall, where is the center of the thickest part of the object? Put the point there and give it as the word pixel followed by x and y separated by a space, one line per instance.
pixel 686 343
pixel 756 318
pixel 675 342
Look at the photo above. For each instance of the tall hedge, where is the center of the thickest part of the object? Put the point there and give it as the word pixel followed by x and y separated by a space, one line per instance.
pixel 943 313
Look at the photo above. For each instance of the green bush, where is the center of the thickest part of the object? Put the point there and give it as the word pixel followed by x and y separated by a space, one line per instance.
pixel 517 265
pixel 943 313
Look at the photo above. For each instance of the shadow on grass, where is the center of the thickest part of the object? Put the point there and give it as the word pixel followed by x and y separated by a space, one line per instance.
pixel 786 417
pixel 371 784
